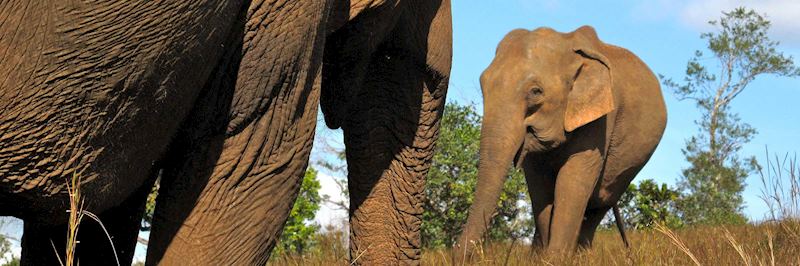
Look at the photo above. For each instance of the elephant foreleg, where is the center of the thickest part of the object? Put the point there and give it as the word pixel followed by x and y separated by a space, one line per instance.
pixel 540 189
pixel 576 181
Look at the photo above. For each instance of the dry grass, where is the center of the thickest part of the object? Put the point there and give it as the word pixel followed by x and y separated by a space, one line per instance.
pixel 763 244
pixel 76 213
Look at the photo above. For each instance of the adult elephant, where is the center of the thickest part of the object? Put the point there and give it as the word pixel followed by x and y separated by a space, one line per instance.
pixel 579 116
pixel 219 98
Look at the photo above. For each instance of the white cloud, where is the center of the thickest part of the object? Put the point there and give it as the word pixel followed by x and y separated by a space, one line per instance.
pixel 782 13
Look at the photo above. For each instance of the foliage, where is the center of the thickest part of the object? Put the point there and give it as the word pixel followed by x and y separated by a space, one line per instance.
pixel 648 203
pixel 715 178
pixel 150 206
pixel 298 233
pixel 451 182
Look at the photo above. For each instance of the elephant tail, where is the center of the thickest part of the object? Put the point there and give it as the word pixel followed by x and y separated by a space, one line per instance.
pixel 620 226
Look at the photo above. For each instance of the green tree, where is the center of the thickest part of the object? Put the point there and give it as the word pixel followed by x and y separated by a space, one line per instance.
pixel 715 178
pixel 649 203
pixel 299 232
pixel 451 182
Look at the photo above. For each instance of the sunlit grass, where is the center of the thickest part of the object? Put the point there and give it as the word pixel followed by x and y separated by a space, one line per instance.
pixel 767 243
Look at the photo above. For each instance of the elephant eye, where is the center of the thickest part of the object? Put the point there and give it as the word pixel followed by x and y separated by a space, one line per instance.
pixel 534 99
pixel 534 93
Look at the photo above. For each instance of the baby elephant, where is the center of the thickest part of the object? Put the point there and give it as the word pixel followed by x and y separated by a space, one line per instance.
pixel 579 116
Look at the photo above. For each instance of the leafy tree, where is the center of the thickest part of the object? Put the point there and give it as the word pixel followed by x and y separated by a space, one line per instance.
pixel 648 203
pixel 715 178
pixel 451 182
pixel 299 233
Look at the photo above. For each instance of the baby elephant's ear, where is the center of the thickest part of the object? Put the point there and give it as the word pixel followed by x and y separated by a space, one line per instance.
pixel 590 97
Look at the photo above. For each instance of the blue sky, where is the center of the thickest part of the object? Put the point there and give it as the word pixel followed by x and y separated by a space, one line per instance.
pixel 664 34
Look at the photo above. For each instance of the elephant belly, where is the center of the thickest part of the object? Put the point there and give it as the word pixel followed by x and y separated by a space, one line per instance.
pixel 611 187
pixel 111 150
pixel 621 167
pixel 96 91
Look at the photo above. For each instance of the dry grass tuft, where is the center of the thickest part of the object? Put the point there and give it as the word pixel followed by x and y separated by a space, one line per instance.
pixel 76 213
pixel 677 242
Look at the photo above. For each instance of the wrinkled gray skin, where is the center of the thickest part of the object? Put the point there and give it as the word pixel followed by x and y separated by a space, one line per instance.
pixel 579 116
pixel 220 98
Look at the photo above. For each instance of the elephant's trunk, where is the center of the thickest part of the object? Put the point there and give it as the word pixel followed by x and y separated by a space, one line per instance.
pixel 501 137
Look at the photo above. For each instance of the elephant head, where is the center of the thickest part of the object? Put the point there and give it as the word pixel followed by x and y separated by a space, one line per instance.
pixel 541 86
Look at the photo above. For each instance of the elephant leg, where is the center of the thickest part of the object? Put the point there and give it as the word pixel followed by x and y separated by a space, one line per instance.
pixel 576 181
pixel 235 168
pixel 540 189
pixel 390 126
pixel 120 225
pixel 389 144
pixel 36 244
pixel 592 219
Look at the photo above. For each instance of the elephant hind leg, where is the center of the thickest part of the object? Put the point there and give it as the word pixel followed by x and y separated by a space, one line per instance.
pixel 592 219
pixel 121 222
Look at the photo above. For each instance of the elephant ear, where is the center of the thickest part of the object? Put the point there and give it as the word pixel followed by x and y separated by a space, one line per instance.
pixel 590 97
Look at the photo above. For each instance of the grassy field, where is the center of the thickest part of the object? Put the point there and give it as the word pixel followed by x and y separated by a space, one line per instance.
pixel 763 244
